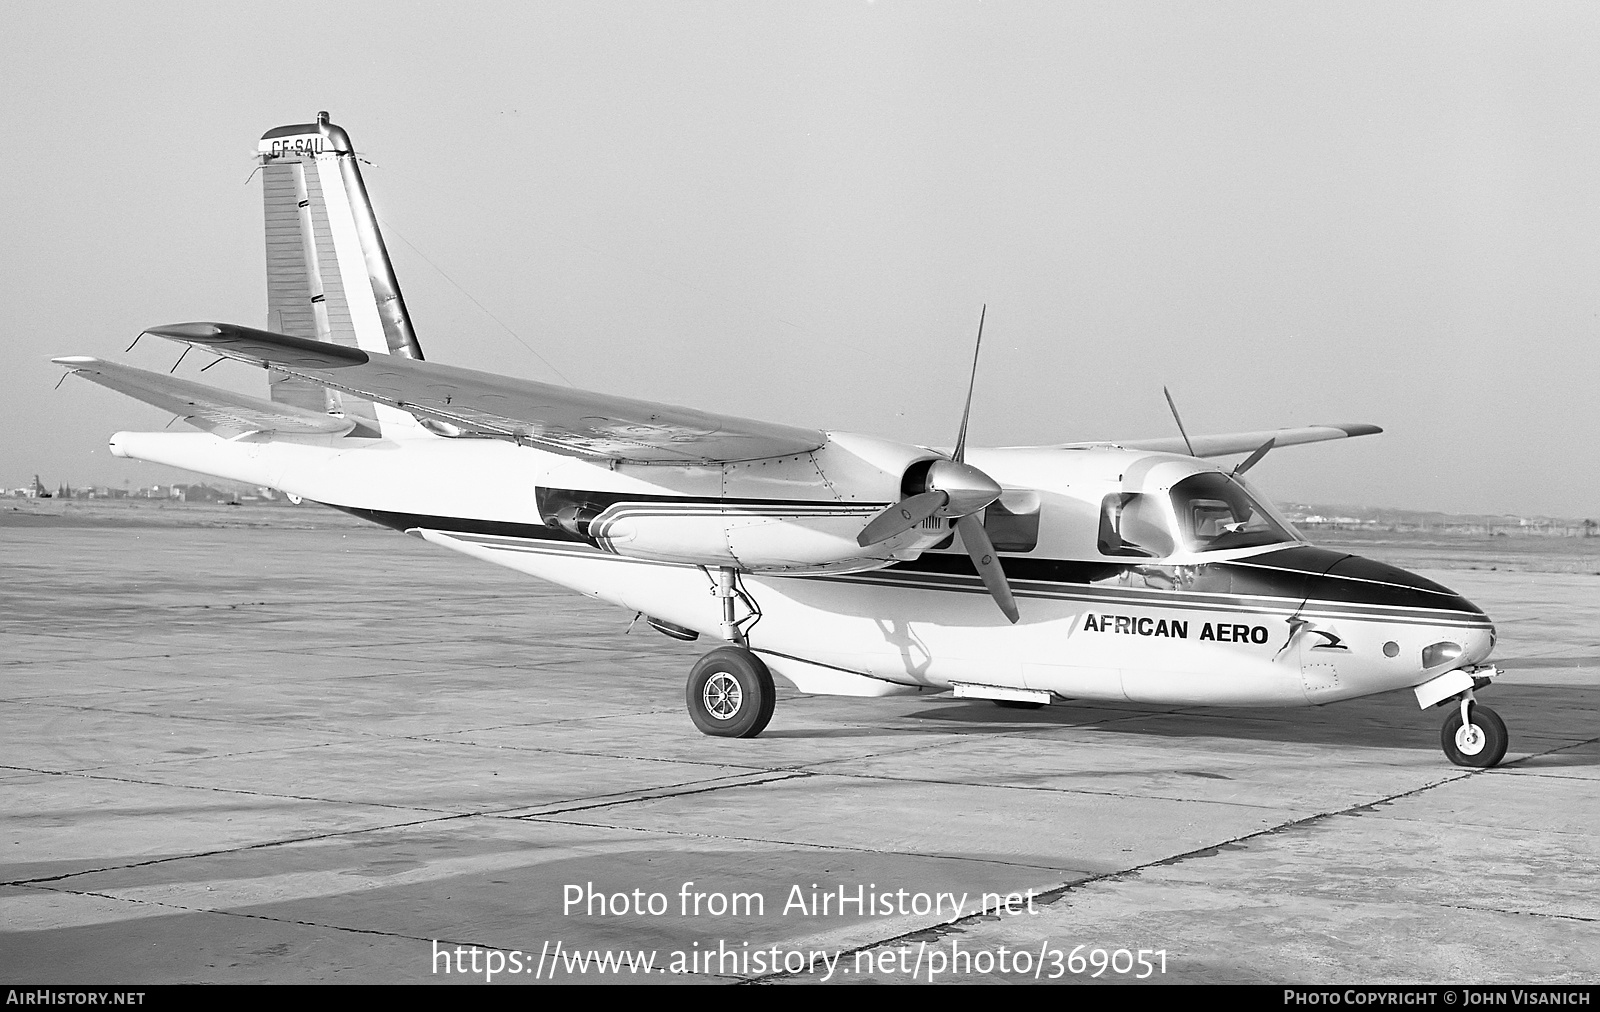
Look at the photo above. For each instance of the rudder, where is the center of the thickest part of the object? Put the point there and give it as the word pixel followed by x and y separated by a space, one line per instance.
pixel 329 277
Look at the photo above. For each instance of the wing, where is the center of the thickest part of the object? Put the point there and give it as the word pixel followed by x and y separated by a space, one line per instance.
pixel 1244 442
pixel 220 411
pixel 558 419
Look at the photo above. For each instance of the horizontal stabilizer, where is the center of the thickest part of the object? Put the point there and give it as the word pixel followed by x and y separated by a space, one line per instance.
pixel 467 402
pixel 1241 442
pixel 220 411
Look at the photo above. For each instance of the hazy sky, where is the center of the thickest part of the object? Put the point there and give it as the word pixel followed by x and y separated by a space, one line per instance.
pixel 1288 213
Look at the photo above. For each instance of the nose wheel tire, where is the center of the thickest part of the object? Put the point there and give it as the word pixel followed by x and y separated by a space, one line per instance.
pixel 1479 744
pixel 730 694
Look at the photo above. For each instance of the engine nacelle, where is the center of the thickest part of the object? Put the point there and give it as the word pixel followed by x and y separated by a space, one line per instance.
pixel 770 517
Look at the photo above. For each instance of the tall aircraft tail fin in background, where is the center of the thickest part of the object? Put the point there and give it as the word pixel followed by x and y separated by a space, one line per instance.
pixel 329 277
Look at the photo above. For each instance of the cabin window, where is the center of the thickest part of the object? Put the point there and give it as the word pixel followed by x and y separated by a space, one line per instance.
pixel 1133 525
pixel 1011 522
pixel 1216 511
pixel 1013 527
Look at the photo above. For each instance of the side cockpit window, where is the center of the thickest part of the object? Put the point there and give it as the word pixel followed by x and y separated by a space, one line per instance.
pixel 1216 511
pixel 1134 525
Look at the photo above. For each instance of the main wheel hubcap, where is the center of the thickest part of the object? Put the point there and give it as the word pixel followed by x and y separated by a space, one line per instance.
pixel 1470 739
pixel 722 696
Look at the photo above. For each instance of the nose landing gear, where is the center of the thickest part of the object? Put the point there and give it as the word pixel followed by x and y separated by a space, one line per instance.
pixel 1474 736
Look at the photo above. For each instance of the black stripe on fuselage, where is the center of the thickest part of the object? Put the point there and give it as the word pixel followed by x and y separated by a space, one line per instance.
pixel 1286 577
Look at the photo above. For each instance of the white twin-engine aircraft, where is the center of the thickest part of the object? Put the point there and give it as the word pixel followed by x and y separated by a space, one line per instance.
pixel 842 563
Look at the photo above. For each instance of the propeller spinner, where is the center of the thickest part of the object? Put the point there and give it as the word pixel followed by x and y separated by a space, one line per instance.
pixel 955 489
pixel 949 488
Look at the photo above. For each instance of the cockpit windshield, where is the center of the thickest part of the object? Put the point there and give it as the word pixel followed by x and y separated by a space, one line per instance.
pixel 1216 511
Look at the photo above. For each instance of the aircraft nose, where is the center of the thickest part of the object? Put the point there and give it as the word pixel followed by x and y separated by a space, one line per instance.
pixel 1383 584
pixel 1454 630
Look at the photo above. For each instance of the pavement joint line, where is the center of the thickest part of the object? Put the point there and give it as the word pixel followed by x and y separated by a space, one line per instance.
pixel 613 755
pixel 240 913
pixel 44 699
pixel 642 713
pixel 81 708
pixel 907 750
pixel 450 943
pixel 195 757
pixel 178 651
pixel 546 723
pixel 799 766
pixel 357 735
pixel 422 667
pixel 1519 913
pixel 225 851
pixel 563 720
pixel 864 757
pixel 1012 732
pixel 1060 790
pixel 697 787
pixel 431 737
pixel 444 813
pixel 1553 751
pixel 803 844
pixel 1550 774
pixel 97 660
pixel 677 791
pixel 294 602
pixel 85 708
pixel 90 771
pixel 233 790
pixel 1032 729
pixel 1051 896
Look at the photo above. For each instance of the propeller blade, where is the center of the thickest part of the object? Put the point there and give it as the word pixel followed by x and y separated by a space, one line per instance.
pixel 1255 458
pixel 960 454
pixel 976 539
pixel 1181 432
pixel 901 517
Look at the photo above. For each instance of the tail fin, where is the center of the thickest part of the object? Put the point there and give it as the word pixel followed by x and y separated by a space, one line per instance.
pixel 328 272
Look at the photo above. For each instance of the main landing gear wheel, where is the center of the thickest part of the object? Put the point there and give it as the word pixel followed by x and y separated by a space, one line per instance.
pixel 1479 744
pixel 730 693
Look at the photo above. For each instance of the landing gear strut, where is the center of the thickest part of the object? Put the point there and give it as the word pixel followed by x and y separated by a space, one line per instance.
pixel 726 591
pixel 730 693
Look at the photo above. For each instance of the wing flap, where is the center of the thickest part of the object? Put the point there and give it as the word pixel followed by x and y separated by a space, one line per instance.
pixel 1244 442
pixel 220 411
pixel 562 420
